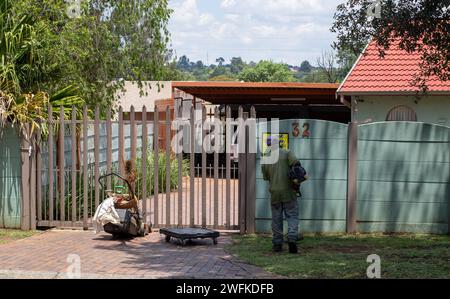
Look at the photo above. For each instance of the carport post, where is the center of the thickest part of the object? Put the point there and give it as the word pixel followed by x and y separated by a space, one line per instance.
pixel 352 177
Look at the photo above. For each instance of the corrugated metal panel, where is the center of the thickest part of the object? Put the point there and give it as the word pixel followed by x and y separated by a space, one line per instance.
pixel 10 179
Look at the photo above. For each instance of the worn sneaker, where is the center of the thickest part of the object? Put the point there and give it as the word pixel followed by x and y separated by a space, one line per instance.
pixel 293 247
pixel 277 248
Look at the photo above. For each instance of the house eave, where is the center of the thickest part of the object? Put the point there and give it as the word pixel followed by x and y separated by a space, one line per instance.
pixel 393 93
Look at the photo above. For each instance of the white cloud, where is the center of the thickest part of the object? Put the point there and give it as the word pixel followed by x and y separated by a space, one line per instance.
pixel 281 30
pixel 205 19
pixel 227 3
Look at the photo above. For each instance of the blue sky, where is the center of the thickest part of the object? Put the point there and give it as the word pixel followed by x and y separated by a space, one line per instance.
pixel 288 31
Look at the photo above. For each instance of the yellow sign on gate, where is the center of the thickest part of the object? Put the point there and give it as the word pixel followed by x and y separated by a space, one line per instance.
pixel 282 137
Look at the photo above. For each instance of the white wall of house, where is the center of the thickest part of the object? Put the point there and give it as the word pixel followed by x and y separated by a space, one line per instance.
pixel 429 109
pixel 153 91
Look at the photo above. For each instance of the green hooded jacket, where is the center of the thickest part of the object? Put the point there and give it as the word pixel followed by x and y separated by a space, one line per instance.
pixel 278 176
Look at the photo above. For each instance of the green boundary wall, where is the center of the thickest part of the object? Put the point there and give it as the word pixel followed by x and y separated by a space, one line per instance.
pixel 10 178
pixel 402 178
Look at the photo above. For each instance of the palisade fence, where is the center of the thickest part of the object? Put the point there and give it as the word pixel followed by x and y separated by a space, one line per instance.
pixel 183 189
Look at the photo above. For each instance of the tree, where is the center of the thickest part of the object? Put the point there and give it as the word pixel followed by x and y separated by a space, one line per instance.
pixel 183 63
pixel 267 71
pixel 222 78
pixel 327 66
pixel 345 60
pixel 236 65
pixel 420 26
pixel 22 69
pixel 305 66
pixel 108 42
pixel 199 64
pixel 220 61
pixel 217 71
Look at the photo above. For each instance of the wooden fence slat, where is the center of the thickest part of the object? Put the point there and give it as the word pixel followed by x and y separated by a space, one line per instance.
pixel 108 147
pixel 203 168
pixel 192 167
pixel 228 171
pixel 178 109
pixel 121 156
pixel 97 155
pixel 133 140
pixel 168 159
pixel 216 166
pixel 61 168
pixel 144 163
pixel 85 167
pixel 25 180
pixel 50 164
pixel 156 162
pixel 73 128
pixel 39 174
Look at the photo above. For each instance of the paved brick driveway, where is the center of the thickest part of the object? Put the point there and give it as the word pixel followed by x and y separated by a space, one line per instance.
pixel 45 256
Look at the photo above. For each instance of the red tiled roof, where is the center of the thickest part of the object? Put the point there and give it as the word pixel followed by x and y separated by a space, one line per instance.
pixel 391 74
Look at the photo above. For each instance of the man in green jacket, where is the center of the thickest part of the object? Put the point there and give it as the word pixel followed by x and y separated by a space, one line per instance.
pixel 283 197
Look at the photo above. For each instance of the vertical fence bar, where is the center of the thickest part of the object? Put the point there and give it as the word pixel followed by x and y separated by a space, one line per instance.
pixel 97 155
pixel 108 147
pixel 144 162
pixel 178 108
pixel 121 155
pixel 133 141
pixel 217 142
pixel 156 162
pixel 203 168
pixel 39 174
pixel 251 177
pixel 62 190
pixel 85 167
pixel 33 184
pixel 192 166
pixel 242 171
pixel 50 163
pixel 168 159
pixel 222 196
pixel 25 180
pixel 352 176
pixel 73 129
pixel 235 200
pixel 228 168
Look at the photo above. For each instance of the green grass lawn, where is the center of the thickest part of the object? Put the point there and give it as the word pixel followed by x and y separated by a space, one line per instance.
pixel 344 256
pixel 9 235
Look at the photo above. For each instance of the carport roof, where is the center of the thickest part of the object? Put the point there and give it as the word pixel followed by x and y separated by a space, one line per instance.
pixel 261 93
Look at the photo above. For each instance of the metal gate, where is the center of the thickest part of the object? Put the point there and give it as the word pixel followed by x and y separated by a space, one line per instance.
pixel 179 183
pixel 322 147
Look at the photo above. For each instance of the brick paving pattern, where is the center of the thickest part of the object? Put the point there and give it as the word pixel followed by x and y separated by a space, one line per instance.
pixel 46 256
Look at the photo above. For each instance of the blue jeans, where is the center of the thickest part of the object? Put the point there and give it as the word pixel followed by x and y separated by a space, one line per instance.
pixel 290 210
